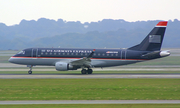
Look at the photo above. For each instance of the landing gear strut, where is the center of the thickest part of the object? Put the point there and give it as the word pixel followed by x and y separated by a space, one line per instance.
pixel 84 71
pixel 30 71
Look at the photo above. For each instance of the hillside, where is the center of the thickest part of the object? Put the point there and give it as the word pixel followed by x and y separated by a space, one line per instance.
pixel 106 33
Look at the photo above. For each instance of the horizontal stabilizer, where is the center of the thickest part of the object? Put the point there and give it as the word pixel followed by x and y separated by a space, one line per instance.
pixel 154 54
pixel 151 54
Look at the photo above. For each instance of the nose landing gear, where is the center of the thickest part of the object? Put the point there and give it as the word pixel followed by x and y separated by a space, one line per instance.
pixel 30 71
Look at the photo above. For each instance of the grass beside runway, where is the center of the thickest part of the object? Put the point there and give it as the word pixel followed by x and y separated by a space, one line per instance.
pixel 89 89
pixel 95 106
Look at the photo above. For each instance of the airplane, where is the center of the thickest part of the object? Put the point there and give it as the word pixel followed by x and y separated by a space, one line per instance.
pixel 74 58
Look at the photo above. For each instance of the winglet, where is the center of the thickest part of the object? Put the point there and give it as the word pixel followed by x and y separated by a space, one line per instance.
pixel 90 55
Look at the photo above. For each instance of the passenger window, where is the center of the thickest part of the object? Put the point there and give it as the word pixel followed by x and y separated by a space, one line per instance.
pixel 107 54
pixel 116 54
pixel 103 54
pixel 50 53
pixel 81 53
pixel 99 54
pixel 63 53
pixel 76 53
pixel 112 54
pixel 54 53
pixel 72 53
pixel 41 53
pixel 67 53
pixel 46 53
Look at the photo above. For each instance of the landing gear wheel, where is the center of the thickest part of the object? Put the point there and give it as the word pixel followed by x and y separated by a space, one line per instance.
pixel 30 67
pixel 29 72
pixel 83 71
pixel 89 71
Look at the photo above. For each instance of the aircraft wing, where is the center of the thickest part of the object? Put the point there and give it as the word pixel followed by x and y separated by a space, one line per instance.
pixel 85 61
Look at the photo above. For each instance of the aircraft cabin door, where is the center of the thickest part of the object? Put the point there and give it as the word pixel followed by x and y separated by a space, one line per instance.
pixel 34 52
pixel 123 54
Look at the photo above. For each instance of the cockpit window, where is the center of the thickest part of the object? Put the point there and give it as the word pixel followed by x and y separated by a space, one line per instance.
pixel 21 52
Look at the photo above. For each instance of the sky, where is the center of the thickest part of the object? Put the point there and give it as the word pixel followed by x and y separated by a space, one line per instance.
pixel 13 11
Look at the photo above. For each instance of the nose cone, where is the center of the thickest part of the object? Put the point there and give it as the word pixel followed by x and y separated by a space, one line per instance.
pixel 10 60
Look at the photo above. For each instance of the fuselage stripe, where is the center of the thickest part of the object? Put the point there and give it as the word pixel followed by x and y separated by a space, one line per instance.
pixel 78 58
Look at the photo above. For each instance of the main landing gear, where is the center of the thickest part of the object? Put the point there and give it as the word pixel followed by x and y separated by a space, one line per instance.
pixel 84 71
pixel 30 71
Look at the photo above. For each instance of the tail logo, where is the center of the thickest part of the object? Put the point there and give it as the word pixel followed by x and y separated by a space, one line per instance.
pixel 154 38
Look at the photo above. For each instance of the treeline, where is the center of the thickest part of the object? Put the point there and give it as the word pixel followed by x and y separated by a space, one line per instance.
pixel 107 33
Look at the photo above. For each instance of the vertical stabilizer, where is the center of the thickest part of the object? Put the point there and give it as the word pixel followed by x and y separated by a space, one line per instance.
pixel 153 40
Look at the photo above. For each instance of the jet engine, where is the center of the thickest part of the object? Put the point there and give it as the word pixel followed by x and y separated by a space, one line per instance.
pixel 62 66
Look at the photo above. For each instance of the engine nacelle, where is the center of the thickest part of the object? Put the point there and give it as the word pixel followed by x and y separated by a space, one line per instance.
pixel 164 53
pixel 62 66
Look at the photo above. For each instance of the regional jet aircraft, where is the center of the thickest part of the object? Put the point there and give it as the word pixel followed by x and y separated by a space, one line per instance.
pixel 72 59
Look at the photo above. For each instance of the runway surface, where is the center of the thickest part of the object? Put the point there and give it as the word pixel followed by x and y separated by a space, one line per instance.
pixel 94 102
pixel 66 76
pixel 106 69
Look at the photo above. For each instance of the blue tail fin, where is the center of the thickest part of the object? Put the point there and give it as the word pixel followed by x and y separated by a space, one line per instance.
pixel 153 40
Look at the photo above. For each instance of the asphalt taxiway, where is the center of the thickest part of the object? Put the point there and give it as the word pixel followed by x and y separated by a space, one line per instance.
pixel 77 76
